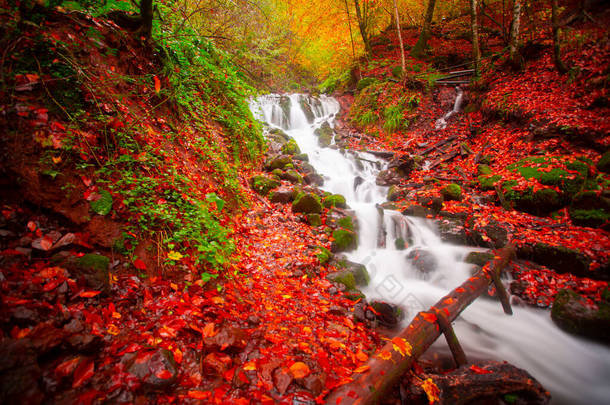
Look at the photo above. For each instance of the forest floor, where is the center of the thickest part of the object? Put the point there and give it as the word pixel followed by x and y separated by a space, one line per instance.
pixel 271 328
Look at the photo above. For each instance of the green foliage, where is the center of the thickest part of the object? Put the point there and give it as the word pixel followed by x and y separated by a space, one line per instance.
pixel 336 81
pixel 103 205
pixel 393 115
pixel 366 82
pixel 334 200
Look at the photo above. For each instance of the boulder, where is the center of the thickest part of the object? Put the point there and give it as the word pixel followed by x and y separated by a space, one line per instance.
pixel 314 220
pixel 572 313
pixel 415 210
pixel 479 258
pixel 323 254
pixel 307 203
pixel 395 193
pixel 559 258
pixel 452 192
pixel 344 240
pixel 453 231
pixel 423 260
pixel 388 177
pixel 282 195
pixel 334 200
pixel 277 162
pixel 291 148
pixel 314 179
pixel 435 203
pixel 590 208
pixel 156 369
pixel 492 235
pixel 93 268
pixel 263 184
pixel 388 315
pixel 361 275
pixel 304 102
pixel 325 134
pixel 292 176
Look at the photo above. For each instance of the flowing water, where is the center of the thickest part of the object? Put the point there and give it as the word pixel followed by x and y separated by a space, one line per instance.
pixel 441 123
pixel 574 370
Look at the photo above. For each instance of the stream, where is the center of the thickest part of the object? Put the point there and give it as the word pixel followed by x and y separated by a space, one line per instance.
pixel 574 370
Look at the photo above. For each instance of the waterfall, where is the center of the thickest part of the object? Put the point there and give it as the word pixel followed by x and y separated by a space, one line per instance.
pixel 574 370
pixel 441 123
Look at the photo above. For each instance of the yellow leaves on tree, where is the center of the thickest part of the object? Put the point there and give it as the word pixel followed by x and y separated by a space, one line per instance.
pixel 402 346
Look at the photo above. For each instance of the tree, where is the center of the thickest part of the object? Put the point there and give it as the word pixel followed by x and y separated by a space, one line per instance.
pixel 362 14
pixel 476 52
pixel 141 24
pixel 514 35
pixel 422 42
pixel 561 67
pixel 402 47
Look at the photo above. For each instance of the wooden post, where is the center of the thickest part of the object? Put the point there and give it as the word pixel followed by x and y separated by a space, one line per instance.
pixel 398 355
pixel 454 344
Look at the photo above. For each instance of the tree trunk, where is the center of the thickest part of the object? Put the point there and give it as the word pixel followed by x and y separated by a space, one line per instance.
pixel 402 47
pixel 422 42
pixel 514 35
pixel 476 52
pixel 146 14
pixel 362 24
pixel 561 67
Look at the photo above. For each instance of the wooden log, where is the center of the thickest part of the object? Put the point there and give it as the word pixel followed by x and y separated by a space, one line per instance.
pixel 381 153
pixel 398 355
pixel 452 341
pixel 438 144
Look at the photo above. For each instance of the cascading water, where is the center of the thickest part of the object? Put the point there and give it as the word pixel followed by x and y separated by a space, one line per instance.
pixel 441 123
pixel 574 370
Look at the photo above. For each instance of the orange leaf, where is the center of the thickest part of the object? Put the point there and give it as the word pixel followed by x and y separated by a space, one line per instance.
pixel 113 330
pixel 89 294
pixel 157 84
pixel 385 355
pixel 428 317
pixel 448 301
pixel 299 370
pixel 362 356
pixel 431 390
pixel 208 330
pixel 199 394
pixel 402 346
pixel 250 366
pixel 67 367
pixel 362 369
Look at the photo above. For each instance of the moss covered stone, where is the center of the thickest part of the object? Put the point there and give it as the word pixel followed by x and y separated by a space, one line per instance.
pixel 292 176
pixel 590 208
pixel 94 269
pixel 343 277
pixel 291 148
pixel 307 203
pixel 346 223
pixel 323 255
pixel 603 165
pixel 325 134
pixel 314 220
pixel 334 200
pixel 400 244
pixel 572 313
pixel 344 240
pixel 452 192
pixel 479 258
pixel 359 272
pixel 303 157
pixel 278 162
pixel 488 182
pixel 483 170
pixel 263 184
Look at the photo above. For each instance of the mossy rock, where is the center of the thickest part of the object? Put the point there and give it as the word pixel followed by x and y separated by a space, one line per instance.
pixel 344 240
pixel 355 270
pixel 346 223
pixel 354 295
pixel 479 258
pixel 488 182
pixel 292 176
pixel 603 165
pixel 395 193
pixel 303 101
pixel 282 195
pixel 559 258
pixel 307 203
pixel 278 162
pixel 397 72
pixel 324 255
pixel 400 244
pixel 343 277
pixel 94 269
pixel 103 205
pixel 279 133
pixel 334 200
pixel 325 135
pixel 263 184
pixel 291 148
pixel 571 313
pixel 314 220
pixel 452 192
pixel 302 157
pixel 366 82
pixel 483 170
pixel 590 208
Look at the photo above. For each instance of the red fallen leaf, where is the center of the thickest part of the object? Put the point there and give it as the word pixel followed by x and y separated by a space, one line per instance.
pixel 32 226
pixel 208 330
pixel 89 294
pixel 86 181
pixel 479 370
pixel 157 84
pixel 83 372
pixel 428 317
pixel 67 367
pixel 139 264
pixel 199 394
pixel 362 369
pixel 163 374
pixel 459 290
pixel 299 370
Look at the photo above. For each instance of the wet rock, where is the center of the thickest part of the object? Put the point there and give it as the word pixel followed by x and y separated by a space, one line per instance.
pixel 24 317
pixel 416 210
pixel 156 369
pixel 325 135
pixel 314 179
pixel 216 364
pixel 302 157
pixel 388 315
pixel 388 177
pixel 263 184
pixel 358 181
pixel 560 259
pixel 402 164
pixel 292 176
pixel 344 240
pixel 479 258
pixel 93 268
pixel 492 235
pixel 434 203
pixel 361 275
pixel 452 192
pixel 314 220
pixel 282 195
pixel 453 231
pixel 334 200
pixel 572 313
pixel 282 379
pixel 340 218
pixel 307 203
pixel 590 208
pixel 423 260
pixel 277 162
pixel 291 148
pixel 314 383
pixel 229 339
pixel 395 193
pixel 20 374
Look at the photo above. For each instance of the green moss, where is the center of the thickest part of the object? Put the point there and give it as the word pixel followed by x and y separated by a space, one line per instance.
pixel 603 165
pixel 484 170
pixel 103 205
pixel 366 82
pixel 400 244
pixel 488 182
pixel 92 261
pixel 479 258
pixel 452 192
pixel 314 220
pixel 307 203
pixel 291 148
pixel 344 240
pixel 292 176
pixel 346 223
pixel 343 277
pixel 323 254
pixel 262 184
pixel 325 134
pixel 279 162
pixel 334 200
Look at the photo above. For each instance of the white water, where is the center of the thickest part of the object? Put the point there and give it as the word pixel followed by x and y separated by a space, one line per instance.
pixel 441 123
pixel 574 370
